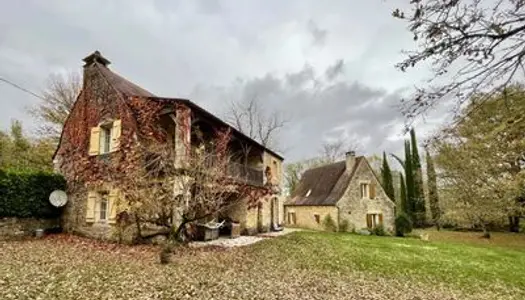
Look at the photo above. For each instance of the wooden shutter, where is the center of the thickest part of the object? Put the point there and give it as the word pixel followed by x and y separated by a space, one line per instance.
pixel 113 203
pixel 115 135
pixel 90 206
pixel 380 219
pixel 369 220
pixel 94 141
pixel 372 191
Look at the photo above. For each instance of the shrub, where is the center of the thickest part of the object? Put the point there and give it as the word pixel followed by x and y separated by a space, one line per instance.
pixel 329 223
pixel 379 231
pixel 26 195
pixel 343 226
pixel 403 224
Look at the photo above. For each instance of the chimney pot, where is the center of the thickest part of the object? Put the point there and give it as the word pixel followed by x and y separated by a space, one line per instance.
pixel 350 154
pixel 96 57
pixel 350 160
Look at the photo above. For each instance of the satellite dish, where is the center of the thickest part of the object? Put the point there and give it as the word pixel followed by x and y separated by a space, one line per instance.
pixel 58 198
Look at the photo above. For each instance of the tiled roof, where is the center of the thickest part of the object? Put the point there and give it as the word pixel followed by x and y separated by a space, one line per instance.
pixel 324 185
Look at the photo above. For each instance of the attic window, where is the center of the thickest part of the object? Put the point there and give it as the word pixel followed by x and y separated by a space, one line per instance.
pixel 308 193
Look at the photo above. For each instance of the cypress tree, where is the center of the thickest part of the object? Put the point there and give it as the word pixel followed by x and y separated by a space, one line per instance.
pixel 386 176
pixel 419 194
pixel 433 197
pixel 403 195
pixel 409 182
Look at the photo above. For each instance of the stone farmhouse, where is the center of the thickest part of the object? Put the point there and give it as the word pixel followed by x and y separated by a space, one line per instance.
pixel 347 191
pixel 104 124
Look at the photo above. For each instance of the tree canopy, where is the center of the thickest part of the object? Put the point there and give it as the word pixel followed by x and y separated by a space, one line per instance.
pixel 481 159
pixel 473 46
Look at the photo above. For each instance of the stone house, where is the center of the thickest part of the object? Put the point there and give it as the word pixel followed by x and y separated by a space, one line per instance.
pixel 347 191
pixel 105 124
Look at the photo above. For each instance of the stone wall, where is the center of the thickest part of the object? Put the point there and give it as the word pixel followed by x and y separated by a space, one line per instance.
pixel 19 227
pixel 305 216
pixel 74 220
pixel 354 209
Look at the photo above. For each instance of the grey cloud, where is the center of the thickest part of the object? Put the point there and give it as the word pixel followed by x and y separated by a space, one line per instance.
pixel 300 78
pixel 329 110
pixel 318 35
pixel 333 71
pixel 323 64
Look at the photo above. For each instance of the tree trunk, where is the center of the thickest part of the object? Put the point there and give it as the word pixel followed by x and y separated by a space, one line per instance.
pixel 180 234
pixel 514 224
pixel 486 233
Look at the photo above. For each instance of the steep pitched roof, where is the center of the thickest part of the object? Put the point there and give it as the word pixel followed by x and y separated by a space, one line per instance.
pixel 324 185
pixel 121 84
pixel 128 88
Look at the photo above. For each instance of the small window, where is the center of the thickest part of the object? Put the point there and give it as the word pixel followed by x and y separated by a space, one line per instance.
pixel 365 190
pixel 105 138
pixel 291 218
pixel 103 208
pixel 317 218
pixel 374 220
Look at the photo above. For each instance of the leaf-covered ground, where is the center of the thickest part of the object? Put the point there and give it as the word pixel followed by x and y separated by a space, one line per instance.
pixel 303 265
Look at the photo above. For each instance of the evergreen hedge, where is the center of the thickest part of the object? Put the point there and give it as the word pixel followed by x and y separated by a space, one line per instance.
pixel 26 194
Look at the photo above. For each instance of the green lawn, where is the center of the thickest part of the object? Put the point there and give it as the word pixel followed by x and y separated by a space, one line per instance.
pixel 302 265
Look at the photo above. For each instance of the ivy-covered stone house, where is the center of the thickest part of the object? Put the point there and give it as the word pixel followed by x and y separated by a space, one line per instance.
pixel 112 115
pixel 347 192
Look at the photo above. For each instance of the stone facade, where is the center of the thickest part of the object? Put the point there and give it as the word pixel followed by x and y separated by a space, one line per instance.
pixel 21 227
pixel 109 96
pixel 306 216
pixel 354 209
pixel 258 219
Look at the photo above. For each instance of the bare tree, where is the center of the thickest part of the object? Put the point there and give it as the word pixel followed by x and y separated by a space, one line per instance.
pixel 58 99
pixel 254 121
pixel 162 199
pixel 474 46
pixel 330 152
pixel 335 150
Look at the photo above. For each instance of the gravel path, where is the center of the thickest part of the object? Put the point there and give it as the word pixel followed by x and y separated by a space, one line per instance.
pixel 244 240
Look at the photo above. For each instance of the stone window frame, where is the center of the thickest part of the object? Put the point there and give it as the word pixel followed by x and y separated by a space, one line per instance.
pixel 106 137
pixel 103 197
pixel 291 216
pixel 361 194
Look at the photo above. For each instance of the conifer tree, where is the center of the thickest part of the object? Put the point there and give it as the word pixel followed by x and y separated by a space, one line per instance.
pixel 409 182
pixel 419 211
pixel 433 196
pixel 402 195
pixel 386 176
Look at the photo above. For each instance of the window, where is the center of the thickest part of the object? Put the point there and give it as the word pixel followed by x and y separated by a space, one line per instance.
pixel 105 138
pixel 103 208
pixel 374 220
pixel 365 188
pixel 317 218
pixel 291 218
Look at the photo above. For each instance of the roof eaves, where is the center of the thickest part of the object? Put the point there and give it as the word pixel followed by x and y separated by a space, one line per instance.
pixel 194 105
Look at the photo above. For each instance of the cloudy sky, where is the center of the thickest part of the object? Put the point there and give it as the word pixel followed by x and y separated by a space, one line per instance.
pixel 327 65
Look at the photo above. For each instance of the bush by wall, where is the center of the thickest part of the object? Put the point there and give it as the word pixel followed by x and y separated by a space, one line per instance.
pixel 26 195
pixel 329 224
pixel 403 224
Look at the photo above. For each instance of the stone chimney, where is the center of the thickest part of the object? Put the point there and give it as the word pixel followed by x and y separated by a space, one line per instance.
pixel 96 57
pixel 89 71
pixel 350 160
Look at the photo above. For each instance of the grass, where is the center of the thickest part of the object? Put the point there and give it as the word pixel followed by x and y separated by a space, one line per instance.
pixel 302 265
pixel 469 267
pixel 498 239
